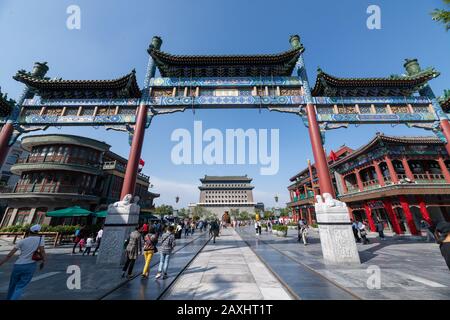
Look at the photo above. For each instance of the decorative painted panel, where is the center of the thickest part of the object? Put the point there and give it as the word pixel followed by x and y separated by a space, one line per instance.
pixel 224 82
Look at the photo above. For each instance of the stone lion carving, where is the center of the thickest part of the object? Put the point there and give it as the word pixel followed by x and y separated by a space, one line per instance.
pixel 329 202
pixel 126 206
pixel 126 201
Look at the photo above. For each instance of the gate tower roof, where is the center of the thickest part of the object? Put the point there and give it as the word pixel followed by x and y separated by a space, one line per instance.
pixel 196 66
pixel 331 86
pixel 124 87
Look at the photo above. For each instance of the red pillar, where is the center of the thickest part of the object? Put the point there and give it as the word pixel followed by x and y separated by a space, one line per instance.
pixel 359 181
pixel 350 213
pixel 390 211
pixel 444 169
pixel 391 168
pixel 309 219
pixel 368 211
pixel 321 164
pixel 379 174
pixel 344 184
pixel 5 136
pixel 129 183
pixel 408 171
pixel 445 126
pixel 424 210
pixel 408 215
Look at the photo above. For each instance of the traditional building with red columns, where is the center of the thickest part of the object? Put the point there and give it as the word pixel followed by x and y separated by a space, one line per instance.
pixel 399 180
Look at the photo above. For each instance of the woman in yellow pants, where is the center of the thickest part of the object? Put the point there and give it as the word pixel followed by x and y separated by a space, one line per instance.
pixel 150 249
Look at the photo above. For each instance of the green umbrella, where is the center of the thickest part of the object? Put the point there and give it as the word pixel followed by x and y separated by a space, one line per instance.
pixel 75 211
pixel 148 216
pixel 101 214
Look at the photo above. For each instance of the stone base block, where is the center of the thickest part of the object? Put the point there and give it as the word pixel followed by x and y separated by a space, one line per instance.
pixel 120 222
pixel 336 235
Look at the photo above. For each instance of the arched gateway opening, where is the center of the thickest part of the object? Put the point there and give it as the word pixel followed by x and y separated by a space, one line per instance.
pixel 277 82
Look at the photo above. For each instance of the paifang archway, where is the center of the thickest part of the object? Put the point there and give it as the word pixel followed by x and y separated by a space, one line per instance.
pixel 277 82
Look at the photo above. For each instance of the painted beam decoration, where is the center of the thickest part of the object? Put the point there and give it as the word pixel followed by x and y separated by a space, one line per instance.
pixel 218 82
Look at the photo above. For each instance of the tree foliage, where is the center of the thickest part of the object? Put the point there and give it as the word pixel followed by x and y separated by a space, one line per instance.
pixel 442 15
pixel 164 210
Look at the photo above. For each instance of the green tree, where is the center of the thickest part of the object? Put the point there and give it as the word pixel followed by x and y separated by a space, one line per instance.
pixel 183 213
pixel 164 210
pixel 442 15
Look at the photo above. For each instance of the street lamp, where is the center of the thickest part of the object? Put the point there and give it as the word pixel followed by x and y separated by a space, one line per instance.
pixel 175 211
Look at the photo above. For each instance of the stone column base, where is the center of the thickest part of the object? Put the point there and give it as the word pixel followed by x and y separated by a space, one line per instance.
pixel 120 222
pixel 336 234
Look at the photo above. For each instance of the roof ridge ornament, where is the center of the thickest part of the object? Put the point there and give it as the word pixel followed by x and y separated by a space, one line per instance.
pixel 294 40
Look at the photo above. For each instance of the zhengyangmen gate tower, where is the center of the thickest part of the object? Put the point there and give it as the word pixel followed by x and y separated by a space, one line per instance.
pixel 277 82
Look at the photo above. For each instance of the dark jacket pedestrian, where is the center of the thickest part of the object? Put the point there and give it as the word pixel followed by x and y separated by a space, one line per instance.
pixel 133 249
pixel 442 234
pixel 214 230
pixel 380 229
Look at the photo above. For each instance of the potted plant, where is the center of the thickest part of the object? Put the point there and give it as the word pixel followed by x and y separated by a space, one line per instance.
pixel 283 231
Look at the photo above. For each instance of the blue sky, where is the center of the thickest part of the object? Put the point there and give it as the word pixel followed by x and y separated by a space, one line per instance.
pixel 114 37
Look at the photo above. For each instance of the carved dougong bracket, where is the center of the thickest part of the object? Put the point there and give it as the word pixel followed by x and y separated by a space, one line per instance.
pixel 330 126
pixel 300 111
pixel 152 112
pixel 19 130
pixel 435 127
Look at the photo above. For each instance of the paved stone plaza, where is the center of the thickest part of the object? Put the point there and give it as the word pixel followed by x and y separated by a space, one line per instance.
pixel 241 265
pixel 96 282
pixel 227 270
pixel 410 269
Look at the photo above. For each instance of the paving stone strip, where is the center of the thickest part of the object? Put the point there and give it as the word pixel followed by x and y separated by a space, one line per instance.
pixel 227 270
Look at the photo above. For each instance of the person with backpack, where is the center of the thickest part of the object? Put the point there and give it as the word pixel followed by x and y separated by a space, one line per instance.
pixel 166 247
pixel 150 241
pixel 31 251
pixel 363 232
pixel 133 249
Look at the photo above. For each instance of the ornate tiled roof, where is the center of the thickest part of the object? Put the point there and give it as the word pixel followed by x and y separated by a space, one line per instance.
pixel 341 152
pixel 124 87
pixel 445 101
pixel 6 105
pixel 266 65
pixel 225 178
pixel 392 139
pixel 328 85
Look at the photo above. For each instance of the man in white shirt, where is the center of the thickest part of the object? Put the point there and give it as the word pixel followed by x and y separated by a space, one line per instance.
pixel 31 250
pixel 98 240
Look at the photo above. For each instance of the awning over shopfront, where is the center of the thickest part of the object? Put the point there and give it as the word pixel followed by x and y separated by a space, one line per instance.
pixel 75 211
